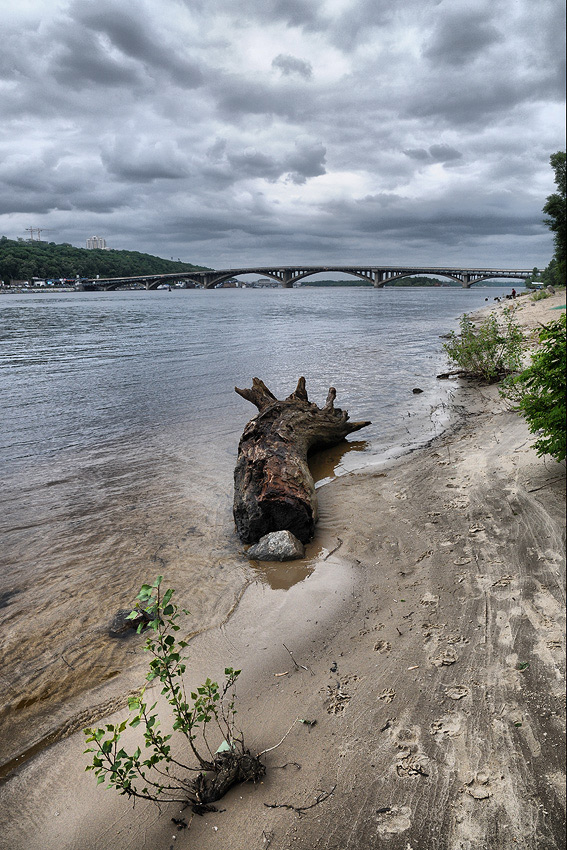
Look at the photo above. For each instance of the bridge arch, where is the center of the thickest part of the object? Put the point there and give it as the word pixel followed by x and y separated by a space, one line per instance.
pixel 499 277
pixel 221 278
pixel 365 275
pixel 400 275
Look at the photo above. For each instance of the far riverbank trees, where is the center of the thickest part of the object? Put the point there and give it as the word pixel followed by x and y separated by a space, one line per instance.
pixel 24 260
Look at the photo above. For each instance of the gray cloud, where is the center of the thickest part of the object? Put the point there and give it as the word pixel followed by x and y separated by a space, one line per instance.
pixel 131 34
pixel 418 153
pixel 237 96
pixel 460 37
pixel 307 160
pixel 292 65
pixel 444 153
pixel 436 153
pixel 144 161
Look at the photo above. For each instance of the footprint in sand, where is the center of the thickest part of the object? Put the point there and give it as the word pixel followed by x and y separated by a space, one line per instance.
pixel 338 700
pixel 409 760
pixel 392 821
pixel 429 599
pixel 445 658
pixel 457 692
pixel 388 695
pixel 479 787
pixel 448 726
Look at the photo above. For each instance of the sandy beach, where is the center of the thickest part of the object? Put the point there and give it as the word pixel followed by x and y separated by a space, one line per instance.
pixel 432 633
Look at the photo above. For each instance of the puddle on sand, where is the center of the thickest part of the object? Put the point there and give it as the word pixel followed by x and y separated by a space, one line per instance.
pixel 327 465
pixel 281 575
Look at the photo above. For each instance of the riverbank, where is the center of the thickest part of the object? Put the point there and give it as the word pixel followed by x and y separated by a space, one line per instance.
pixel 432 631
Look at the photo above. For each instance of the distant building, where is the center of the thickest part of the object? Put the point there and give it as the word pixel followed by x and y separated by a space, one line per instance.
pixel 96 242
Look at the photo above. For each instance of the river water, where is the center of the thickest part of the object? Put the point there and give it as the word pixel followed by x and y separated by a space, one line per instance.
pixel 119 434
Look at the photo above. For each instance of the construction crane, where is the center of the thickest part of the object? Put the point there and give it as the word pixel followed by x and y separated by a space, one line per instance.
pixel 39 231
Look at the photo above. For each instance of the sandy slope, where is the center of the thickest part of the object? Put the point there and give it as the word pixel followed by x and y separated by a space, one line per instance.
pixel 434 638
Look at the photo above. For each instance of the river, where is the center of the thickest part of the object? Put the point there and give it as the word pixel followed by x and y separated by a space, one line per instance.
pixel 119 435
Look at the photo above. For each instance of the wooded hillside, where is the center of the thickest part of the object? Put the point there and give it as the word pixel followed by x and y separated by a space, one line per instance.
pixel 23 260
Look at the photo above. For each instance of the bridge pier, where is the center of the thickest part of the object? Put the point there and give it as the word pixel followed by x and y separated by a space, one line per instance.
pixel 378 278
pixel 466 280
pixel 287 282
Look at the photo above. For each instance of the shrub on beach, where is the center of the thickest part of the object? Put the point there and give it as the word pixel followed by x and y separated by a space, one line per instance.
pixel 539 391
pixel 540 295
pixel 487 351
pixel 157 773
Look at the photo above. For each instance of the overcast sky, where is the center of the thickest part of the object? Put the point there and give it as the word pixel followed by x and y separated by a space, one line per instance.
pixel 235 132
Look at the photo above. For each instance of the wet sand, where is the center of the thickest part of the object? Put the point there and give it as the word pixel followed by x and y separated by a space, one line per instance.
pixel 432 627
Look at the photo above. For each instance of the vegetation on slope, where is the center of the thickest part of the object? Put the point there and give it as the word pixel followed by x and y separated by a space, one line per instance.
pixel 24 260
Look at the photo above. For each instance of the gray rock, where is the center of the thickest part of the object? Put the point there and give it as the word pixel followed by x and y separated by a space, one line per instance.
pixel 277 546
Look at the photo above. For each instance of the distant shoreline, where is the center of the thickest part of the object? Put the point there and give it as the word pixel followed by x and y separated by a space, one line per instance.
pixel 45 290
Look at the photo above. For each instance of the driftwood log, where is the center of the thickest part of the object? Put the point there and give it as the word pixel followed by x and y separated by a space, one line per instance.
pixel 273 486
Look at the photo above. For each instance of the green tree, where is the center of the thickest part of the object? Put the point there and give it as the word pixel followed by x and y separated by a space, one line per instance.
pixel 556 211
pixel 539 391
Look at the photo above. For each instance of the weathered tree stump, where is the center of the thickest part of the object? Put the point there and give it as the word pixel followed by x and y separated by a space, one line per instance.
pixel 273 486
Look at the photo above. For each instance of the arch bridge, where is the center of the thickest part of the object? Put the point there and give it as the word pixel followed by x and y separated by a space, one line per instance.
pixel 287 276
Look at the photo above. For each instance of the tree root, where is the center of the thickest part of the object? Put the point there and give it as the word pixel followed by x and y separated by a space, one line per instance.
pixel 228 769
pixel 300 810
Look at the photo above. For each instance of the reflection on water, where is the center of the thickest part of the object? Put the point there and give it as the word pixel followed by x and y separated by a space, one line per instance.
pixel 327 465
pixel 281 576
pixel 119 434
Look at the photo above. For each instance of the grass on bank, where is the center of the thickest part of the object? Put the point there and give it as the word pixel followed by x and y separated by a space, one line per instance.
pixel 492 350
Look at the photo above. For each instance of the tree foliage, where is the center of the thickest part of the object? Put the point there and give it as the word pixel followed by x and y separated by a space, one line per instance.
pixel 487 351
pixel 158 773
pixel 539 391
pixel 23 260
pixel 556 211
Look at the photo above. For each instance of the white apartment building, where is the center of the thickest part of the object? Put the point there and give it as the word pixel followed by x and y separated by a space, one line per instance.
pixel 96 242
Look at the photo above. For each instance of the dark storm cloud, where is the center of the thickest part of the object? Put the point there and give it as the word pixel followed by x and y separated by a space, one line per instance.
pixel 418 153
pixel 135 38
pixel 142 161
pixel 292 65
pixel 444 153
pixel 81 60
pixel 440 220
pixel 460 37
pixel 255 164
pixel 436 153
pixel 292 13
pixel 308 160
pixel 237 96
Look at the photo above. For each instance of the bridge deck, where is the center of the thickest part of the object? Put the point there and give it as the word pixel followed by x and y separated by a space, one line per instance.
pixel 288 275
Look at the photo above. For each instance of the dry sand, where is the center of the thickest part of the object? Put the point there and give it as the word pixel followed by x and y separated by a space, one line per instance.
pixel 433 635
